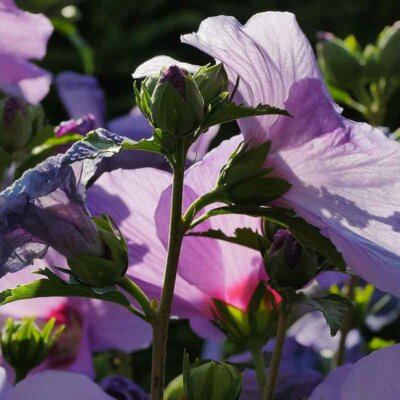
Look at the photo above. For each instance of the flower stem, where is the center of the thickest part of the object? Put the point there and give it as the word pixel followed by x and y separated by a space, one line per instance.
pixel 277 354
pixel 161 318
pixel 259 365
pixel 341 351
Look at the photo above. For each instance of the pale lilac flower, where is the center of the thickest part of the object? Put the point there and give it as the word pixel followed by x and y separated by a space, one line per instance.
pixel 91 325
pixel 46 207
pixel 344 175
pixel 23 37
pixel 82 126
pixel 208 268
pixel 373 377
pixel 82 95
pixel 50 385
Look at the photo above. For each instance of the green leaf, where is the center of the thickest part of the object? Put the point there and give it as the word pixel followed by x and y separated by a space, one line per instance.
pixel 230 111
pixel 53 286
pixel 333 306
pixel 307 234
pixel 53 142
pixel 243 236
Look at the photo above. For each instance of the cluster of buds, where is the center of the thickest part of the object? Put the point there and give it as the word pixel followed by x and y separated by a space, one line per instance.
pixel 175 101
pixel 24 345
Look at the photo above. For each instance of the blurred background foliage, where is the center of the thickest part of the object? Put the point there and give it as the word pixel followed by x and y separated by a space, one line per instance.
pixel 110 38
pixel 121 34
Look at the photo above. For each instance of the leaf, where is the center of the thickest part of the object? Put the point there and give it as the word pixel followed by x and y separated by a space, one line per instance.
pixel 243 236
pixel 230 111
pixel 53 286
pixel 307 234
pixel 333 306
pixel 54 142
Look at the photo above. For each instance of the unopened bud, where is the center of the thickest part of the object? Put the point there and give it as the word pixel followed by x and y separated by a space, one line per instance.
pixel 177 105
pixel 212 82
pixel 211 381
pixel 389 45
pixel 24 345
pixel 339 63
pixel 15 124
pixel 288 263
pixel 106 270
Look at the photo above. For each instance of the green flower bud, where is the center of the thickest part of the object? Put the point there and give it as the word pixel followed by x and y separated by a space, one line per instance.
pixel 244 181
pixel 15 124
pixel 103 271
pixel 389 45
pixel 256 324
pixel 24 345
pixel 211 81
pixel 339 62
pixel 211 381
pixel 288 263
pixel 176 102
pixel 175 390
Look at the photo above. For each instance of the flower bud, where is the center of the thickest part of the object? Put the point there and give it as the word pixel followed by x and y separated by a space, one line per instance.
pixel 175 390
pixel 176 102
pixel 244 181
pixel 255 324
pixel 339 63
pixel 211 81
pixel 288 263
pixel 389 45
pixel 15 124
pixel 103 271
pixel 211 381
pixel 24 345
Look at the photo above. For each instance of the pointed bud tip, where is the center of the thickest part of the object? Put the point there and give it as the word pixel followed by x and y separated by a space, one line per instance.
pixel 176 77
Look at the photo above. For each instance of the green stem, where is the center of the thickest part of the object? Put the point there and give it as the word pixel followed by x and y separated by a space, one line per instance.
pixel 137 294
pixel 259 365
pixel 161 319
pixel 341 352
pixel 203 201
pixel 277 354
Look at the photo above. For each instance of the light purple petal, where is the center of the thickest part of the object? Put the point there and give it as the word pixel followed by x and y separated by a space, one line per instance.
pixel 81 94
pixel 199 149
pixel 374 377
pixel 329 389
pixel 52 385
pixel 113 327
pixel 23 35
pixel 22 78
pixel 5 386
pixel 155 64
pixel 206 329
pixel 345 183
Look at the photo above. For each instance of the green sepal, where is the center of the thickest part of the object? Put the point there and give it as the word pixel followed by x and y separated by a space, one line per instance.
pixel 227 112
pixel 243 236
pixel 307 234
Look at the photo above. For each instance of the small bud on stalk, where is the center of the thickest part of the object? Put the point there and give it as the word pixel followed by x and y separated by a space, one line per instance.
pixel 254 325
pixel 389 46
pixel 340 63
pixel 106 270
pixel 24 345
pixel 288 263
pixel 176 102
pixel 211 381
pixel 15 124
